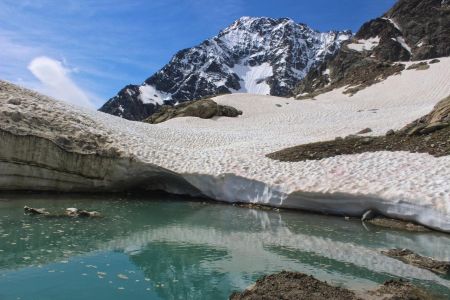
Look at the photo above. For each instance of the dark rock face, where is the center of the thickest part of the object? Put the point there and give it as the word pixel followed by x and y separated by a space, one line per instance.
pixel 204 109
pixel 253 55
pixel 411 30
pixel 425 25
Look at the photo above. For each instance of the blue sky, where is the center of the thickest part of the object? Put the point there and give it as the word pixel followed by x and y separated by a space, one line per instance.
pixel 99 46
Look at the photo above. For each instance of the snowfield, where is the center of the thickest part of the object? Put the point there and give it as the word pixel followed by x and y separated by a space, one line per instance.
pixel 225 158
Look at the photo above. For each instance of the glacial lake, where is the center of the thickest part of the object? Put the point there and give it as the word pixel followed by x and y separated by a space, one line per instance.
pixel 164 247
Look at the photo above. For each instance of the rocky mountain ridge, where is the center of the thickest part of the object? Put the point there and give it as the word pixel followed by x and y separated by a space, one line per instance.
pixel 253 55
pixel 411 30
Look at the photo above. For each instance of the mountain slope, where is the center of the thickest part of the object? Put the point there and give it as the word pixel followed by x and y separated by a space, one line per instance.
pixel 253 55
pixel 411 30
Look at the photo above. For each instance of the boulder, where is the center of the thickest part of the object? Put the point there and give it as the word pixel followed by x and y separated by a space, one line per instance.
pixel 204 109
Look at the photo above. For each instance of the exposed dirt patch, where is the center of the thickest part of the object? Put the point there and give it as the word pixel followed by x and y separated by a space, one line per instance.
pixel 290 285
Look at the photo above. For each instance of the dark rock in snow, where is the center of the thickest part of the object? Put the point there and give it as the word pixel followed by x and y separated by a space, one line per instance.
pixel 204 109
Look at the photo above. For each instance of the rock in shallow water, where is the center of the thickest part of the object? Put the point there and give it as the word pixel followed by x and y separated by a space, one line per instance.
pixel 409 257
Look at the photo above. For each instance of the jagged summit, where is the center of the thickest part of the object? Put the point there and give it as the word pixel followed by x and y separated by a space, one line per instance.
pixel 256 55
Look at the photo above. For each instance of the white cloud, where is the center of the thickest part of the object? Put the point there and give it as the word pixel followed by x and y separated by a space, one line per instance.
pixel 57 83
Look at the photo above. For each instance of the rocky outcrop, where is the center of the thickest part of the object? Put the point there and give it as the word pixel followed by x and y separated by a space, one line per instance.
pixel 204 109
pixel 425 25
pixel 411 30
pixel 438 119
pixel 253 55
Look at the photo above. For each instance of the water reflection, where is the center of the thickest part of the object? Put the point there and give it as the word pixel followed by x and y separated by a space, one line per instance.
pixel 194 250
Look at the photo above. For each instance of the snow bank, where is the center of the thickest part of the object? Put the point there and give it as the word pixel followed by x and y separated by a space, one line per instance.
pixel 224 158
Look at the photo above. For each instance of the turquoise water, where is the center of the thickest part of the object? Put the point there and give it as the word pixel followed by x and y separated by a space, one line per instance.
pixel 169 248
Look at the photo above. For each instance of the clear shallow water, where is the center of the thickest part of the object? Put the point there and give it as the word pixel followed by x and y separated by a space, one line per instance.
pixel 170 248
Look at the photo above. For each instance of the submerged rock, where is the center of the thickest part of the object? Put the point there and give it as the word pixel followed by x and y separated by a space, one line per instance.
pixel 409 257
pixel 70 212
pixel 204 109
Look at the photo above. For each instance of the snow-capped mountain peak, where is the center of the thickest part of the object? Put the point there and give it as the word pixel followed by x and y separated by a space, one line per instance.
pixel 253 55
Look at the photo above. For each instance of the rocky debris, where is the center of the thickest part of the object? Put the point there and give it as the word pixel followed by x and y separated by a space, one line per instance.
pixel 409 257
pixel 281 50
pixel 374 218
pixel 419 66
pixel 411 30
pixel 429 134
pixel 396 224
pixel 298 286
pixel 434 61
pixel 35 211
pixel 204 109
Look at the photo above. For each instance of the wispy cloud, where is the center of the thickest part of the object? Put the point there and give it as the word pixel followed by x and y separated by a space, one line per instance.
pixel 55 81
